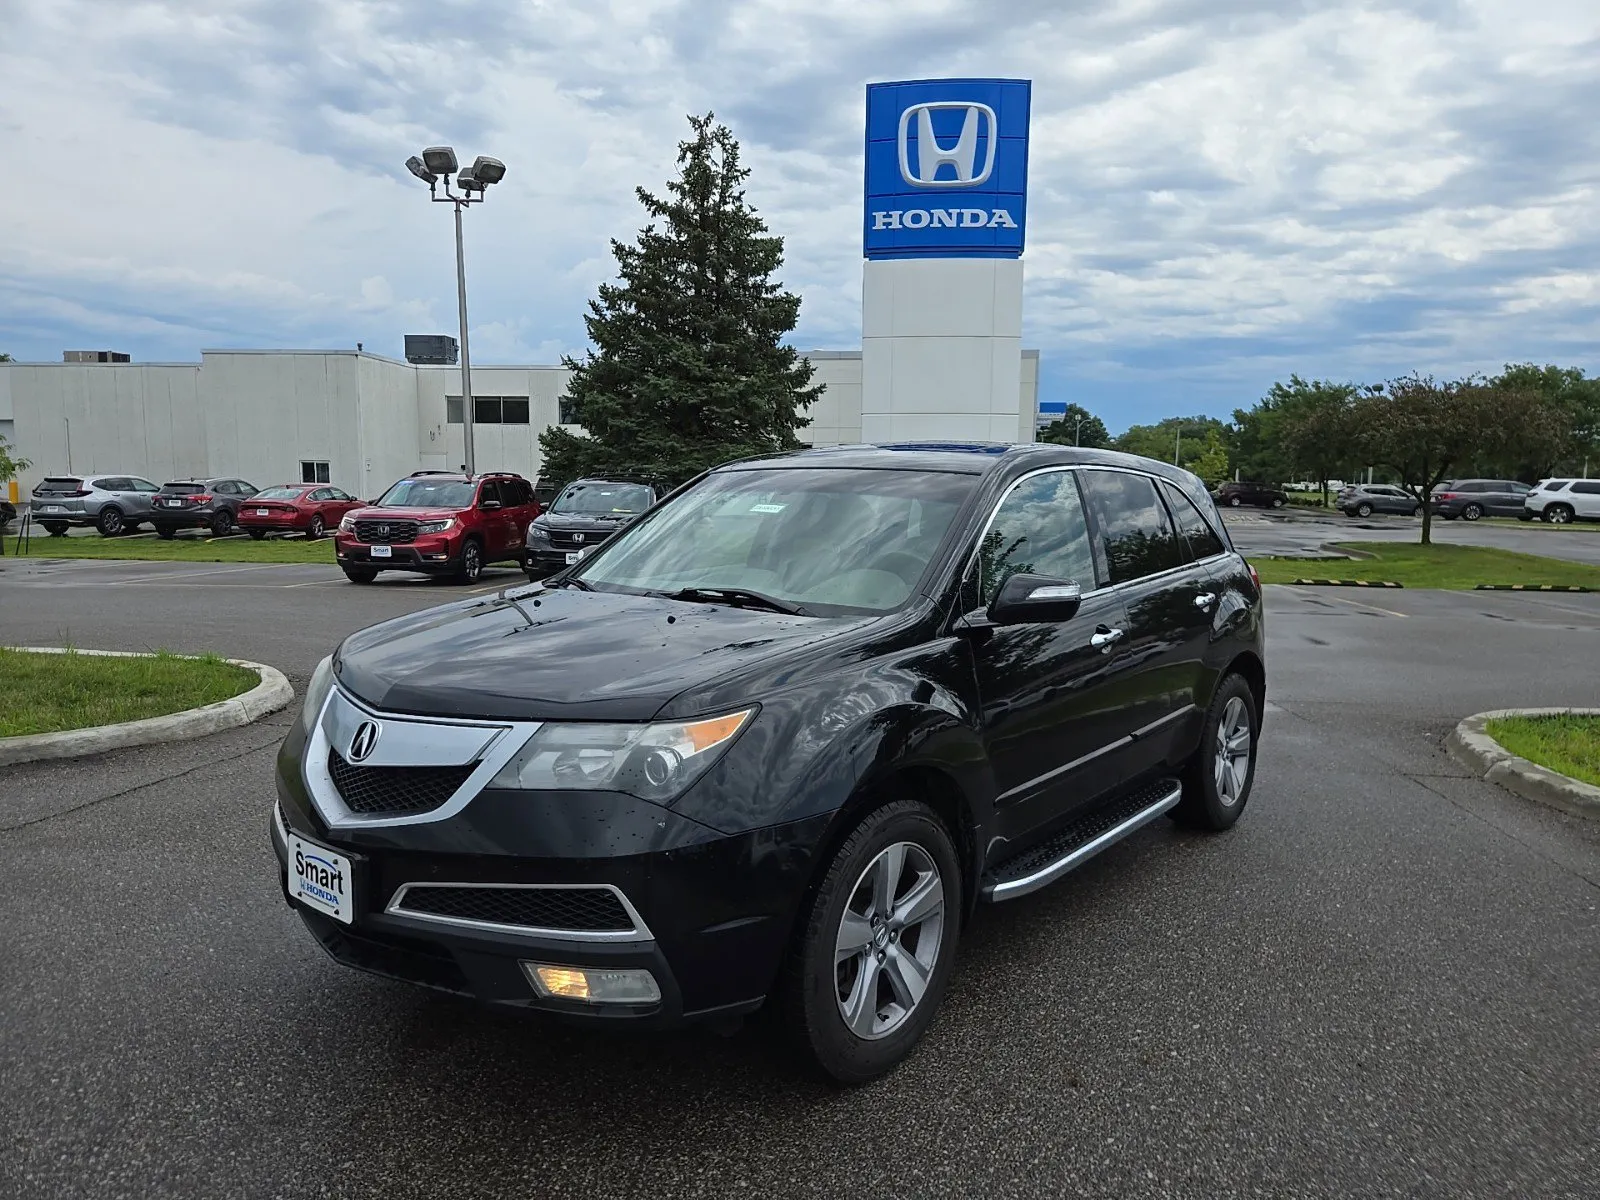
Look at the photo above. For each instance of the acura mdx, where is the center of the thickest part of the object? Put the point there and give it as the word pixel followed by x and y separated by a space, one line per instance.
pixel 772 743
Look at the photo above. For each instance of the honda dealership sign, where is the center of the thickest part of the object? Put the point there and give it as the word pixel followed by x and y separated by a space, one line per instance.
pixel 947 168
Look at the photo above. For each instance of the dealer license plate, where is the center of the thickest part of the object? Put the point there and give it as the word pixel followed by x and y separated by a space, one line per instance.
pixel 572 557
pixel 321 880
pixel 54 508
pixel 173 503
pixel 261 512
pixel 382 552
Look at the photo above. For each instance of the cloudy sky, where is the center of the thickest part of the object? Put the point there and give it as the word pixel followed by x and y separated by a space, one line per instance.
pixel 1222 191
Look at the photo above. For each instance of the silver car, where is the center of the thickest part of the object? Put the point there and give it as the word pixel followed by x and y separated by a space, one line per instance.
pixel 111 503
pixel 1367 498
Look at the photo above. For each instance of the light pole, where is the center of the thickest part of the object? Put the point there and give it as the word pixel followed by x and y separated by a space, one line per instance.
pixel 1077 431
pixel 440 162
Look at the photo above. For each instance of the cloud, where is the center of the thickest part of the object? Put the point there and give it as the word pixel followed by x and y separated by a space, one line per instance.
pixel 1222 191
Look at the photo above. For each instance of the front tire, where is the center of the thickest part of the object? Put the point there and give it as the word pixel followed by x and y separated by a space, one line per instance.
pixel 876 946
pixel 55 528
pixel 256 534
pixel 1217 780
pixel 360 574
pixel 470 568
pixel 221 523
pixel 1277 502
pixel 1234 502
pixel 166 532
pixel 316 528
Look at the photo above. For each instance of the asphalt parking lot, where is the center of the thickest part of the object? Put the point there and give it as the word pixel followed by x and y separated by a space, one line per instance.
pixel 1384 981
pixel 1299 532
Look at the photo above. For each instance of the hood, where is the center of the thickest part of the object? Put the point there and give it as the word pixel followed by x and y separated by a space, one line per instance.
pixel 403 514
pixel 566 521
pixel 538 654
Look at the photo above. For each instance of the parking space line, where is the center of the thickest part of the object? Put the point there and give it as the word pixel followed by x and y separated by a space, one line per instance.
pixel 219 569
pixel 1388 612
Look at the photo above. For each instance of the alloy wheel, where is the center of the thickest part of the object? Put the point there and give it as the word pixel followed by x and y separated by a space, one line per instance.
pixel 471 562
pixel 110 522
pixel 1472 512
pixel 1559 514
pixel 314 530
pixel 1231 765
pixel 889 940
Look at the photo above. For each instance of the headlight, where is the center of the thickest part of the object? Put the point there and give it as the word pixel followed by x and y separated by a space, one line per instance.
pixel 347 522
pixel 316 693
pixel 436 526
pixel 538 533
pixel 652 762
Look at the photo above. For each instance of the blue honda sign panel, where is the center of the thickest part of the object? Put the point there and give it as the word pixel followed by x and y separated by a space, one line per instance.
pixel 947 168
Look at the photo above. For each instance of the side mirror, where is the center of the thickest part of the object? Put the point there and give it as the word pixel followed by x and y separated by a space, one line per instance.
pixel 1031 599
pixel 490 505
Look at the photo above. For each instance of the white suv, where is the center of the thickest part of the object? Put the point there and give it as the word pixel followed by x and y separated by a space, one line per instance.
pixel 1562 501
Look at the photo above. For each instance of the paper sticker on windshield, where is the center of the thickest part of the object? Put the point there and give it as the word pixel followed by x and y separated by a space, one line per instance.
pixel 768 508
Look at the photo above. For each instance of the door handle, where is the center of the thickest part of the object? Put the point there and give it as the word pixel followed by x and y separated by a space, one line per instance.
pixel 1205 599
pixel 1105 637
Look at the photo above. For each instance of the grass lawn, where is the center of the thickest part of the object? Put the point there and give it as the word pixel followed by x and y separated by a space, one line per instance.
pixel 180 549
pixel 46 693
pixel 1433 567
pixel 1569 744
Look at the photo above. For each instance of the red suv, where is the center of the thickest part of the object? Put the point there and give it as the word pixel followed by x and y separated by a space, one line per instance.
pixel 438 523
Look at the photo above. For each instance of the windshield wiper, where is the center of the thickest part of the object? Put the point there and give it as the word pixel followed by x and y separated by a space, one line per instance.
pixel 573 581
pixel 738 597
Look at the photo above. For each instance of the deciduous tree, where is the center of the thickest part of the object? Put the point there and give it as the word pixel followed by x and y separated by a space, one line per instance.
pixel 1077 427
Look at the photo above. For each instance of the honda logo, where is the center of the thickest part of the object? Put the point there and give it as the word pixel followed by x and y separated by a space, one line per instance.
pixel 365 740
pixel 383 531
pixel 577 539
pixel 962 157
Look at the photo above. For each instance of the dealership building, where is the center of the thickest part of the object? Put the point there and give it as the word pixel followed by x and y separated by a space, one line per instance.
pixel 941 358
pixel 348 417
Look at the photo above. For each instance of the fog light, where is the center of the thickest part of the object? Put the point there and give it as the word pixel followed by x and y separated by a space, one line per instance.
pixel 593 985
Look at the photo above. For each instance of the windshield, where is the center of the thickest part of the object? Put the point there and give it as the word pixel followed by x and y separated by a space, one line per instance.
pixel 602 499
pixel 279 493
pixel 832 540
pixel 429 493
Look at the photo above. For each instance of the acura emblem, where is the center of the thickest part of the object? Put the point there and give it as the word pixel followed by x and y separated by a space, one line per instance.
pixel 365 739
pixel 577 538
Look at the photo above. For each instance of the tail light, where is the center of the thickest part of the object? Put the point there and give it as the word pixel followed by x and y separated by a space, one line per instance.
pixel 202 498
pixel 1254 578
pixel 1444 495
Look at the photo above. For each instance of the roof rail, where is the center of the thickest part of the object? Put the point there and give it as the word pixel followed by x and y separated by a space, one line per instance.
pixel 415 474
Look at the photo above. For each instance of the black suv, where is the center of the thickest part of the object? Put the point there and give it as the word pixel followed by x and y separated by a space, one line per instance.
pixel 1262 495
pixel 776 740
pixel 583 516
pixel 199 504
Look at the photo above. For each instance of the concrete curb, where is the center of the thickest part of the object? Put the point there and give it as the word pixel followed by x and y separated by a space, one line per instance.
pixel 1471 746
pixel 1372 583
pixel 268 696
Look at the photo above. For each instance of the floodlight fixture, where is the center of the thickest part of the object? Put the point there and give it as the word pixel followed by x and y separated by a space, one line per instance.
pixel 487 170
pixel 418 168
pixel 467 182
pixel 441 160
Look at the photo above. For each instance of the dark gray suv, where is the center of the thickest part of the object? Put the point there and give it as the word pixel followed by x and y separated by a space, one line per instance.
pixel 1470 499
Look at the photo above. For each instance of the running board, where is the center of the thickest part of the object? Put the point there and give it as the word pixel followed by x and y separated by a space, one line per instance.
pixel 1080 841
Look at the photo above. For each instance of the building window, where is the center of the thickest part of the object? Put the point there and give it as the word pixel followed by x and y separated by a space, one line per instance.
pixel 314 471
pixel 568 414
pixel 514 410
pixel 489 410
pixel 452 410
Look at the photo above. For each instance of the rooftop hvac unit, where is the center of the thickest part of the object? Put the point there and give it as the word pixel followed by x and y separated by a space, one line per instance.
pixel 431 349
pixel 94 356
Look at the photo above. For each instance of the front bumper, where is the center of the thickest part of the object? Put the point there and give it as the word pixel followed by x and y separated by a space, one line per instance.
pixel 429 553
pixel 544 561
pixel 713 911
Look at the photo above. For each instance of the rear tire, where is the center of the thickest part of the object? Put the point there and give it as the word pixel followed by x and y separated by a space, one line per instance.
pixel 110 522
pixel 1234 502
pixel 1559 514
pixel 360 574
pixel 1472 512
pixel 315 529
pixel 899 864
pixel 1217 780
pixel 1363 510
pixel 221 523
pixel 256 534
pixel 1277 503
pixel 55 528
pixel 166 533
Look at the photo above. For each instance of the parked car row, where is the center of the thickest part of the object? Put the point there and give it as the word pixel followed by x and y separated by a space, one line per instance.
pixel 119 504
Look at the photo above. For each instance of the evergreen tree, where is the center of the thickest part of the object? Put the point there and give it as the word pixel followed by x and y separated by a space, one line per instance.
pixel 689 368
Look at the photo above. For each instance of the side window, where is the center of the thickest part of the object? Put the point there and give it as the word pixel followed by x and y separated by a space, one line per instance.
pixel 524 492
pixel 489 491
pixel 1134 527
pixel 321 494
pixel 1195 530
pixel 1039 529
pixel 144 485
pixel 1587 487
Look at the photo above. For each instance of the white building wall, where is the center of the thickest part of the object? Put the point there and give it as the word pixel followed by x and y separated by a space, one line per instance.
pixel 258 414
pixel 141 418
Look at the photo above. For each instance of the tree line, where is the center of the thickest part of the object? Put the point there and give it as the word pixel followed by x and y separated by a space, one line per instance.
pixel 1528 422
